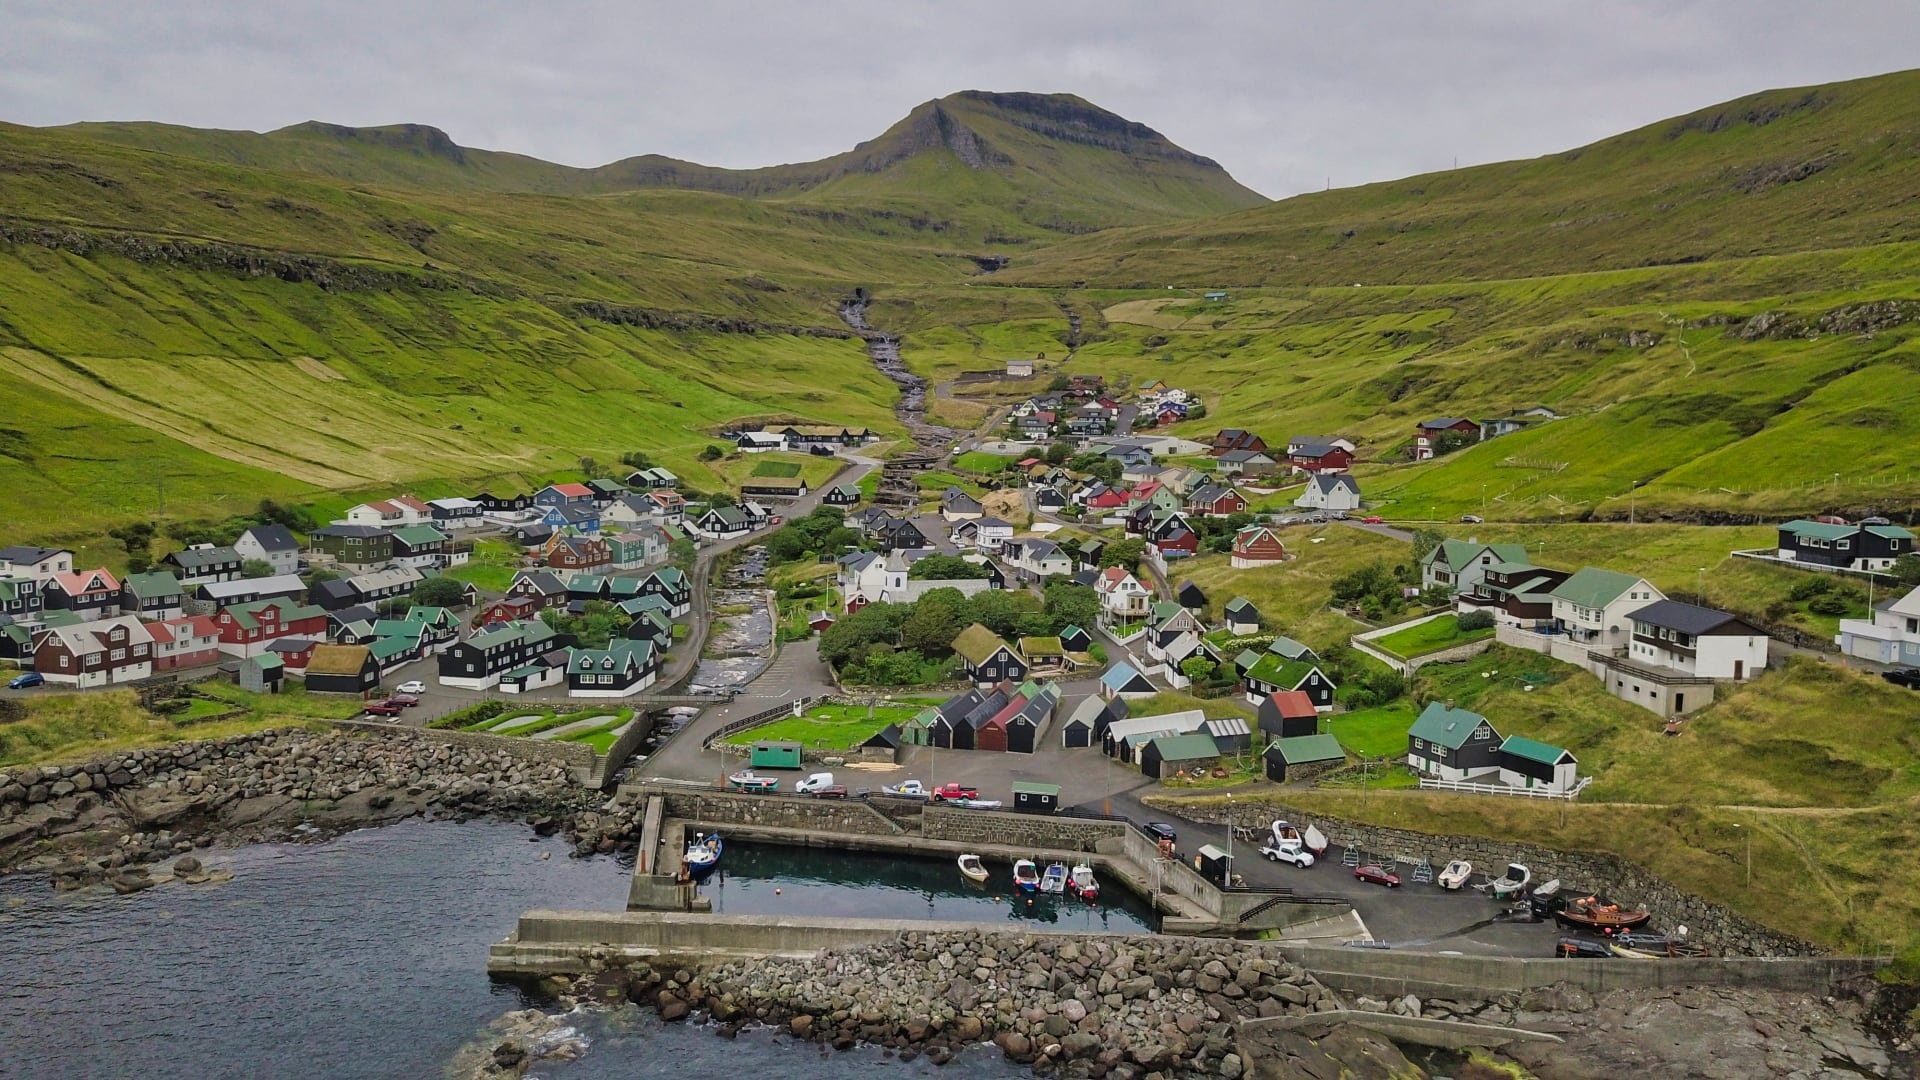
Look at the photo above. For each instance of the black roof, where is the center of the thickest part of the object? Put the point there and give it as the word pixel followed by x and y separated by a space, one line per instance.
pixel 274 537
pixel 331 594
pixel 1686 618
pixel 1191 596
pixel 888 736
pixel 22 553
pixel 353 614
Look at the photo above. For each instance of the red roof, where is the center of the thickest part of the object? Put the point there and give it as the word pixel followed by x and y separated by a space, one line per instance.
pixel 1109 497
pixel 412 503
pixel 1027 463
pixel 573 489
pixel 1293 703
pixel 85 580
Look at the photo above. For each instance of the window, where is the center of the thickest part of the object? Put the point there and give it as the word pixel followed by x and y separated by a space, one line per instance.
pixel 117 654
pixel 1483 732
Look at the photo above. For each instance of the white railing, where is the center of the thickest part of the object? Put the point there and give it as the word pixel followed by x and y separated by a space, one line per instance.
pixel 1471 788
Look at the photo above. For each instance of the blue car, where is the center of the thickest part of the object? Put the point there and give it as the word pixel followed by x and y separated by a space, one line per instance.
pixel 21 682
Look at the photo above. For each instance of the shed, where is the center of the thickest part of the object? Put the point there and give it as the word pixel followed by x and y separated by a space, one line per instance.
pixel 262 674
pixel 914 731
pixel 1214 865
pixel 1190 596
pixel 1289 714
pixel 1230 734
pixel 1169 754
pixel 1294 759
pixel 1528 763
pixel 1032 798
pixel 774 754
pixel 882 745
pixel 1083 723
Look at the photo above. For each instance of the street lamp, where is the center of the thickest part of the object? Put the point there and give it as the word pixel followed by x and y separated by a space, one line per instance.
pixel 1700 583
pixel 1749 835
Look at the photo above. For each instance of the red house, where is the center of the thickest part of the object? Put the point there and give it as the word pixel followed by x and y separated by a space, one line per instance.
pixel 188 641
pixel 1180 542
pixel 1426 434
pixel 1110 499
pixel 578 553
pixel 1257 545
pixel 1235 439
pixel 247 629
pixel 1313 454
pixel 1216 500
pixel 512 609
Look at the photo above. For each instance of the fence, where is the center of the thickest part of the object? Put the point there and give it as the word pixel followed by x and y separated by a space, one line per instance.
pixel 1506 789
pixel 735 727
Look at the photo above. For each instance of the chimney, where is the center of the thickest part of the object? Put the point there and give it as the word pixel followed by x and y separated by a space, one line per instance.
pixel 1449 704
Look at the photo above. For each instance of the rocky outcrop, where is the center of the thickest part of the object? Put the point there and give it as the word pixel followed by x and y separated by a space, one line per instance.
pixel 142 805
pixel 1095 1005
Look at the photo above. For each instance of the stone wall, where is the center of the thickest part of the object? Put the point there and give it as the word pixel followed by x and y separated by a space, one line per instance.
pixel 575 756
pixel 1018 830
pixel 777 811
pixel 623 747
pixel 1720 929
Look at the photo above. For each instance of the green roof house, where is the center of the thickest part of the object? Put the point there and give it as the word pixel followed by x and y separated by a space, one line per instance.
pixel 1452 744
pixel 1527 763
pixel 1591 608
pixel 1460 564
pixel 1301 756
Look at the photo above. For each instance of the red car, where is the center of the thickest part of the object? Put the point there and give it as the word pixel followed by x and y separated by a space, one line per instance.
pixel 1374 520
pixel 955 791
pixel 834 791
pixel 382 708
pixel 1378 876
pixel 405 701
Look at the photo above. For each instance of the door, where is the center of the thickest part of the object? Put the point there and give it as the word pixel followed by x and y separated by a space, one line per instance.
pixel 1739 670
pixel 1680 700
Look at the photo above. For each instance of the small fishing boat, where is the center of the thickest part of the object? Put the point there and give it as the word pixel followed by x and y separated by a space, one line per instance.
pixel 1626 953
pixel 1286 837
pixel 1026 876
pixel 1600 915
pixel 749 781
pixel 1316 841
pixel 1513 884
pixel 972 868
pixel 1054 881
pixel 1544 900
pixel 703 854
pixel 1455 875
pixel 1663 945
pixel 1082 883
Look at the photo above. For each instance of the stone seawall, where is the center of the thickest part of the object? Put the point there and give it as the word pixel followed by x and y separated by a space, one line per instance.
pixel 145 804
pixel 575 756
pixel 1720 929
pixel 1030 830
pixel 820 815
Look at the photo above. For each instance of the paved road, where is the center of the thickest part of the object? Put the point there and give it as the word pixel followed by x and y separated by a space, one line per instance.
pixel 797 672
pixel 1384 530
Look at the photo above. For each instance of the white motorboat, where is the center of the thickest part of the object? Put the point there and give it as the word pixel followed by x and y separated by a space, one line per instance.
pixel 703 854
pixel 1455 875
pixel 972 868
pixel 1083 884
pixel 750 781
pixel 1316 840
pixel 1026 876
pixel 1286 837
pixel 1513 884
pixel 1054 881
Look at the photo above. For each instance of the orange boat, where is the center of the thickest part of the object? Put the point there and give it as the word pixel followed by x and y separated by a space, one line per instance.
pixel 1599 915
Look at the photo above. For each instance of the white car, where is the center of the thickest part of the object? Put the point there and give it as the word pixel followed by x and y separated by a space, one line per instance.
pixel 1298 856
pixel 818 781
pixel 412 686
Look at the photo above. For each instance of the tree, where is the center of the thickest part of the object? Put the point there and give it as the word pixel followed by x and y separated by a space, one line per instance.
pixel 1906 570
pixel 439 592
pixel 946 568
pixel 1197 668
pixel 712 453
pixel 1424 541
pixel 683 552
pixel 138 538
pixel 320 576
pixel 589 467
pixel 1124 553
pixel 1058 453
pixel 256 568
pixel 1448 441
pixel 721 498
pixel 636 459
pixel 1198 411
pixel 1059 382
pixel 1476 620
pixel 997 611
pixel 937 619
pixel 1072 605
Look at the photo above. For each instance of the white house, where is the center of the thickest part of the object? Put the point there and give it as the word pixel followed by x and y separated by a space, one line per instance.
pixel 759 442
pixel 1123 600
pixel 1697 641
pixel 1037 559
pixel 1891 636
pixel 1591 608
pixel 1330 491
pixel 984 534
pixel 1462 564
pixel 1019 369
pixel 873 578
pixel 271 544
pixel 404 510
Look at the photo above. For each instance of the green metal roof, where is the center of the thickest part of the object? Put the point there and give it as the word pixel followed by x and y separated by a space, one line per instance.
pixel 1240 603
pixel 154 583
pixel 1191 747
pixel 1458 553
pixel 1023 787
pixel 1592 587
pixel 386 648
pixel 1817 529
pixel 268 662
pixel 1246 660
pixel 1532 750
pixel 1891 532
pixel 416 535
pixel 1302 749
pixel 1448 727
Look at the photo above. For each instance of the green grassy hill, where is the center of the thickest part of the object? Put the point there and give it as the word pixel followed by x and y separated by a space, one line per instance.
pixel 1802 169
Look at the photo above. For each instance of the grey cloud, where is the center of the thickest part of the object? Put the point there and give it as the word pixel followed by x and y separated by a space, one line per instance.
pixel 1286 95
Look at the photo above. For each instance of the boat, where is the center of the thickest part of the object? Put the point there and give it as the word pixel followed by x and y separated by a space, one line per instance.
pixel 750 781
pixel 1544 900
pixel 1082 883
pixel 1626 953
pixel 703 854
pixel 1316 841
pixel 972 868
pixel 1455 875
pixel 1600 915
pixel 1513 884
pixel 1286 837
pixel 1055 879
pixel 1663 945
pixel 1026 876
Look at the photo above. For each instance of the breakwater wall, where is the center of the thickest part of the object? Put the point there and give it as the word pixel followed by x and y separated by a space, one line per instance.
pixel 1122 1006
pixel 170 798
pixel 1719 929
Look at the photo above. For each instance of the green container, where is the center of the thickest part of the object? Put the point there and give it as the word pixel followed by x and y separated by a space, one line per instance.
pixel 769 754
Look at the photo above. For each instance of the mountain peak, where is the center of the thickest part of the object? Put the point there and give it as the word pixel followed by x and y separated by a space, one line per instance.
pixel 410 138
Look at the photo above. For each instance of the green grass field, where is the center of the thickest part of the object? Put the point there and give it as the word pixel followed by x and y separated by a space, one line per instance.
pixel 829 727
pixel 1373 733
pixel 980 461
pixel 61 727
pixel 491 566
pixel 776 468
pixel 1441 633
pixel 1293 595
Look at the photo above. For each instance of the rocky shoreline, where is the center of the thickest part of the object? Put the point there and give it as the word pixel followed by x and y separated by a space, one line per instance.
pixel 100 821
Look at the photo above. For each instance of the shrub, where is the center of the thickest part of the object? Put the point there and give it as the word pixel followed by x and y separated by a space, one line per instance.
pixel 1828 604
pixel 1476 620
pixel 1811 587
pixel 472 714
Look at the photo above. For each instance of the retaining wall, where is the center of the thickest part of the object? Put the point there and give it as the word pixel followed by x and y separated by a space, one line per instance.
pixel 606 764
pixel 1018 830
pixel 1366 643
pixel 576 756
pixel 1388 974
pixel 1718 928
pixel 777 811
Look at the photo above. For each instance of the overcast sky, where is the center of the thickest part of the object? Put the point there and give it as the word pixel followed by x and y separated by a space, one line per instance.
pixel 1285 94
